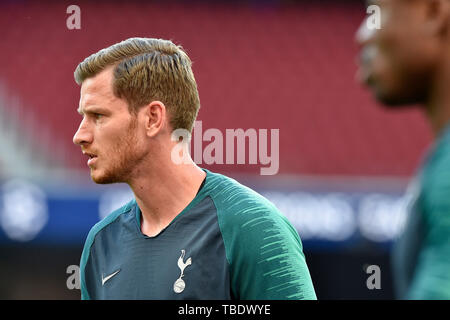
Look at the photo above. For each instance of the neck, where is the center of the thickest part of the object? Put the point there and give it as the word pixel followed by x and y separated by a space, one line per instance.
pixel 162 191
pixel 438 104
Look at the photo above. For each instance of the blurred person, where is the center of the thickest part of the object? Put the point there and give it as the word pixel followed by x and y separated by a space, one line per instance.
pixel 188 233
pixel 407 62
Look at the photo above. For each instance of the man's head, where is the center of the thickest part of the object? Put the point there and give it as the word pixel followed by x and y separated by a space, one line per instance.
pixel 132 93
pixel 399 60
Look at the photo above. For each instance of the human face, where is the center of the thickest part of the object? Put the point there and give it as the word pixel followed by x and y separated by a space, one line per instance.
pixel 396 60
pixel 108 131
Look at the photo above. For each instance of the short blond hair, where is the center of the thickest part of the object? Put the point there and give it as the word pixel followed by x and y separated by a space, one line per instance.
pixel 146 70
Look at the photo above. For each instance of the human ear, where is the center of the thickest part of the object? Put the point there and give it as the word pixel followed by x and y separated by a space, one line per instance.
pixel 155 118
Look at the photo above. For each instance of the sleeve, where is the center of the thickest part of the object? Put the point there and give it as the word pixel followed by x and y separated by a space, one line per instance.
pixel 432 277
pixel 84 293
pixel 89 269
pixel 265 253
pixel 86 273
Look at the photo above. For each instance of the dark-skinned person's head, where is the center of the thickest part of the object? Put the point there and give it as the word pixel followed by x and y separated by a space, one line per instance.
pixel 400 60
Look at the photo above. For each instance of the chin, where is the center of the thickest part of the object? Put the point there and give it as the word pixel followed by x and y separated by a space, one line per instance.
pixel 395 92
pixel 103 178
pixel 100 180
pixel 391 102
pixel 392 99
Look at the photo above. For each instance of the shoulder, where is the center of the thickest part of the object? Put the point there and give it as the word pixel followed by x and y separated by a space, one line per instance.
pixel 436 175
pixel 247 219
pixel 236 200
pixel 101 225
pixel 95 230
pixel 239 205
pixel 435 189
pixel 263 249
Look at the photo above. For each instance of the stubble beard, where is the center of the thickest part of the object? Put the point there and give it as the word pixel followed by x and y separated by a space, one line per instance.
pixel 127 158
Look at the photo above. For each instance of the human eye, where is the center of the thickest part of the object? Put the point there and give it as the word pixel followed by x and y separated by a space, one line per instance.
pixel 97 116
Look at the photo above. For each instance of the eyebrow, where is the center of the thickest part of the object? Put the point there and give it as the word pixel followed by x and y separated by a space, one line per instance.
pixel 91 109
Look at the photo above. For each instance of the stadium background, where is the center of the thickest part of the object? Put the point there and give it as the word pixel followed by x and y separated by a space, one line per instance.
pixel 344 161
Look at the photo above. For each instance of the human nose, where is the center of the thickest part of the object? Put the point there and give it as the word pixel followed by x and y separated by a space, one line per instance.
pixel 83 135
pixel 364 34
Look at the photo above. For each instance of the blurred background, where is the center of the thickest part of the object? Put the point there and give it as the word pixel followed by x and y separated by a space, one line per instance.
pixel 344 161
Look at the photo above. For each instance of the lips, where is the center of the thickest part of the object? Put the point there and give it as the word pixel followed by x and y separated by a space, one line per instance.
pixel 364 62
pixel 363 74
pixel 92 158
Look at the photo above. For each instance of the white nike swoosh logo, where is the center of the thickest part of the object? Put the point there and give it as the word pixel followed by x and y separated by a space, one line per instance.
pixel 109 277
